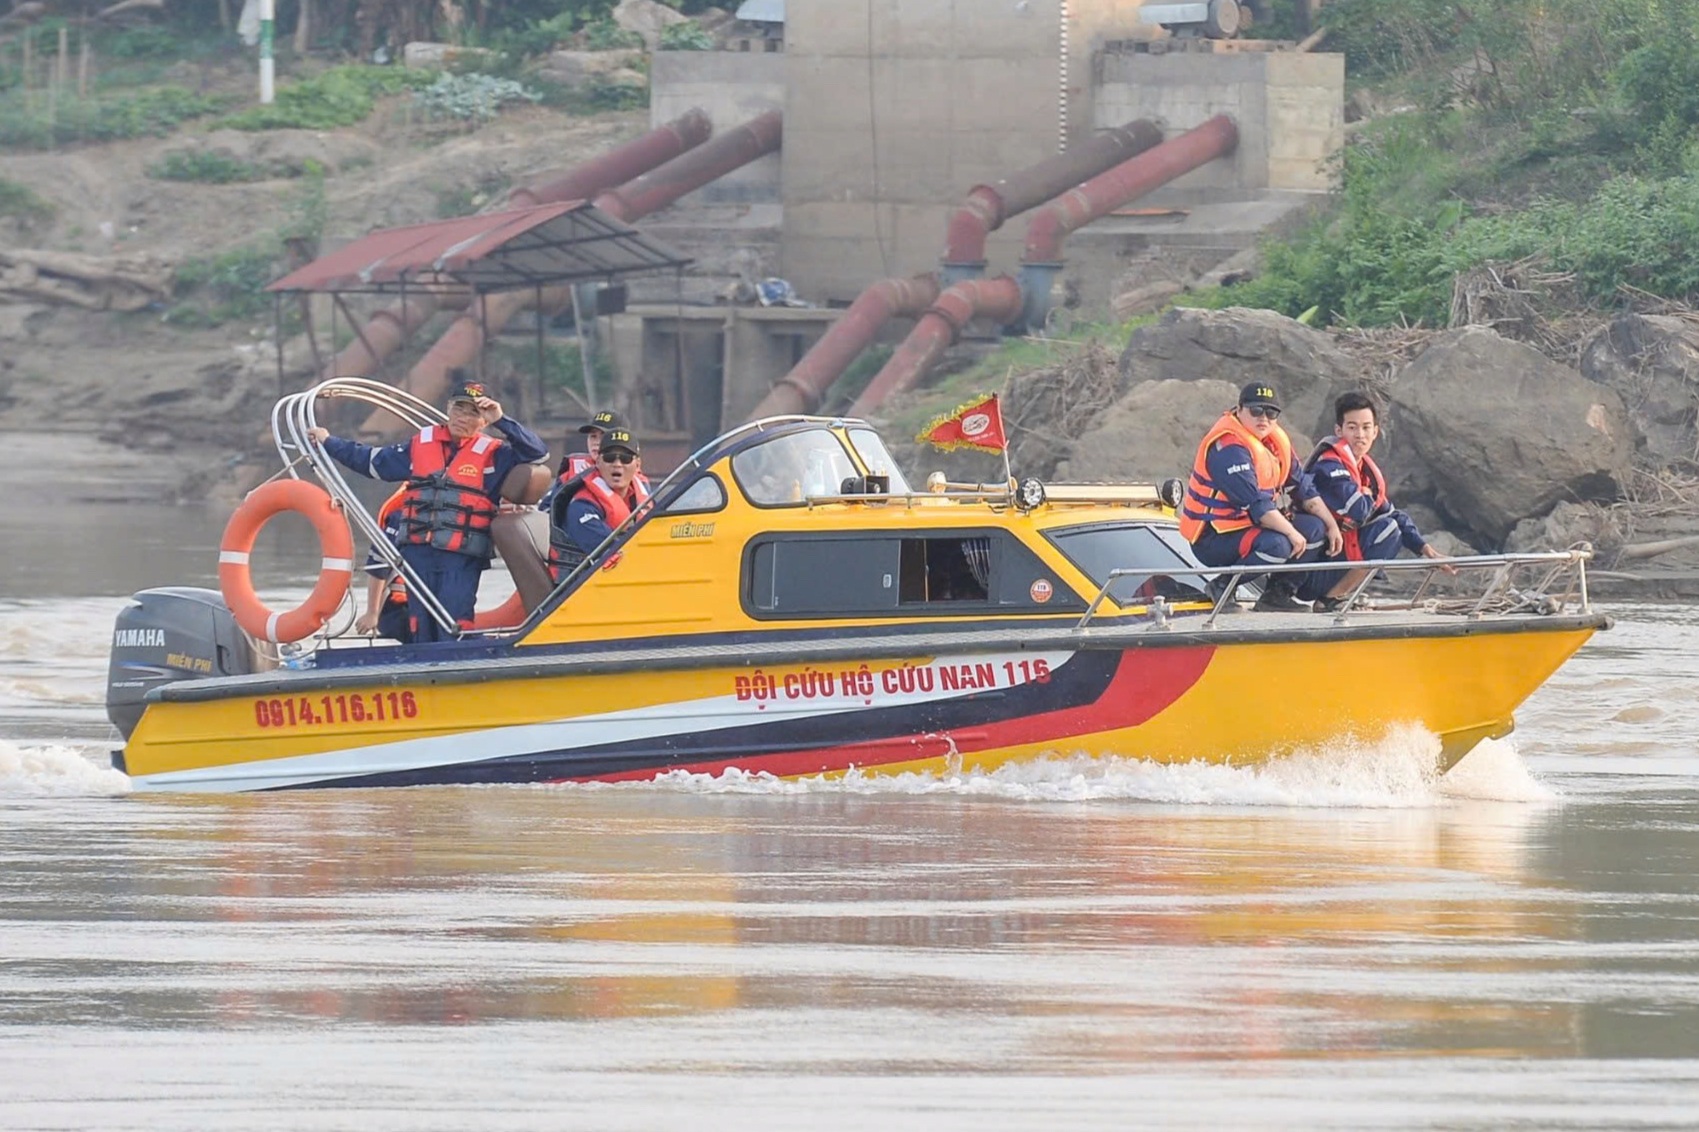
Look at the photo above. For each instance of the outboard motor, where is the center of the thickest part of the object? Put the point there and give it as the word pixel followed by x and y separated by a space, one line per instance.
pixel 169 634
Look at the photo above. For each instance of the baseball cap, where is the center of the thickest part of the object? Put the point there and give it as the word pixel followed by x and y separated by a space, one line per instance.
pixel 620 438
pixel 472 391
pixel 603 421
pixel 1259 393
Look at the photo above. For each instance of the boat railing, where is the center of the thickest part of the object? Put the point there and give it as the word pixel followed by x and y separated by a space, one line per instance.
pixel 295 416
pixel 1547 570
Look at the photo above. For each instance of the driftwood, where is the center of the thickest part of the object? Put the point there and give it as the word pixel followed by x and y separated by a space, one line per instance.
pixel 1639 550
pixel 92 282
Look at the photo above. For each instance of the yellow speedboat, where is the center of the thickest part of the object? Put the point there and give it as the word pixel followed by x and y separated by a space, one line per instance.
pixel 791 605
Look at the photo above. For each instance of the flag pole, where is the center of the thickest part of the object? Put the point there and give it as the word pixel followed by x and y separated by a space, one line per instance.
pixel 1008 473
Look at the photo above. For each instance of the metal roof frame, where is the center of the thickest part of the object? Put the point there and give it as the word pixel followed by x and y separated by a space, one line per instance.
pixel 543 246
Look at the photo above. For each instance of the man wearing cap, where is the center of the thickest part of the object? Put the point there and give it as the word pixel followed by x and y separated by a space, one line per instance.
pixel 454 476
pixel 575 466
pixel 1230 513
pixel 603 499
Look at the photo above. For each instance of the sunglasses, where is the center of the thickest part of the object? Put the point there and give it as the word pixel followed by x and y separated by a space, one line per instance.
pixel 617 457
pixel 1268 411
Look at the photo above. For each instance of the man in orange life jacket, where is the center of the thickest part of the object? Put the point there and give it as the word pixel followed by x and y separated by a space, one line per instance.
pixel 575 465
pixel 589 508
pixel 1230 514
pixel 454 476
pixel 1352 486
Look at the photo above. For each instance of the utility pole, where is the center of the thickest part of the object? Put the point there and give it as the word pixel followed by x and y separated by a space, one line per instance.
pixel 268 74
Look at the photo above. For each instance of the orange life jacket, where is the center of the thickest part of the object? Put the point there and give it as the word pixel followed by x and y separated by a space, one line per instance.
pixel 1365 474
pixel 446 506
pixel 564 554
pixel 1206 503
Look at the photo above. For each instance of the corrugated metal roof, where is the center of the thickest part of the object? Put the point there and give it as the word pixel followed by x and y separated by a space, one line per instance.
pixel 762 11
pixel 493 251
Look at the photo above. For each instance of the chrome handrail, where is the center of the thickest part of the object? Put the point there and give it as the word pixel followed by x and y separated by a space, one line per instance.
pixel 1572 563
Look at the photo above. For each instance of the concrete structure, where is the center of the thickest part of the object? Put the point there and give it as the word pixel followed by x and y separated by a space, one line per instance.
pixel 894 109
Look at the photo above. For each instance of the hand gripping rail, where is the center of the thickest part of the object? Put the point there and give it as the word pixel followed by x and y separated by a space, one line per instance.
pixel 292 420
pixel 1569 566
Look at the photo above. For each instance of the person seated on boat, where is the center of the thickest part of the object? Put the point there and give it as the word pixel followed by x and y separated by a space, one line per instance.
pixel 1231 512
pixel 576 465
pixel 589 508
pixel 1352 486
pixel 454 476
pixel 386 588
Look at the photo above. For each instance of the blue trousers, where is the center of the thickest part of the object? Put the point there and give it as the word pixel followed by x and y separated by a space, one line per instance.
pixel 453 578
pixel 1379 541
pixel 1261 546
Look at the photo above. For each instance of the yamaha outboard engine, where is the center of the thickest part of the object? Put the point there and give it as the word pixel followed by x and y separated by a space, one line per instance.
pixel 169 634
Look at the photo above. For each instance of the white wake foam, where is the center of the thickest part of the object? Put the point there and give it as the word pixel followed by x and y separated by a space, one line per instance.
pixel 1398 771
pixel 56 771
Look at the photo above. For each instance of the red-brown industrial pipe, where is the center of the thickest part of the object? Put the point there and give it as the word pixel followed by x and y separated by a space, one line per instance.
pixel 1131 179
pixel 619 164
pixel 467 336
pixel 997 298
pixel 800 390
pixel 386 330
pixel 988 206
pixel 659 187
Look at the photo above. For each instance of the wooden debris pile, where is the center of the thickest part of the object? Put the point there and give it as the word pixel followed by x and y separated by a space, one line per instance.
pixel 97 283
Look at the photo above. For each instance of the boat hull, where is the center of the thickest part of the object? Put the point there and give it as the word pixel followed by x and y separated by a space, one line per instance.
pixel 1190 696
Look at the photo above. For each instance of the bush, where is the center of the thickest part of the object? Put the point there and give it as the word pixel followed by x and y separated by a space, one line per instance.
pixel 26 123
pixel 23 205
pixel 341 96
pixel 213 167
pixel 472 98
pixel 605 35
pixel 689 36
pixel 225 288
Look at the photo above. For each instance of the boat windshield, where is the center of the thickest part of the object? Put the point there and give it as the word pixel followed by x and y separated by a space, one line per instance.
pixel 871 448
pixel 1100 548
pixel 786 470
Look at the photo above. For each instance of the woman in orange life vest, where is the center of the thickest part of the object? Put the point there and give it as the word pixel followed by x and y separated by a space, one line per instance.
pixel 1230 514
pixel 453 477
pixel 589 508
pixel 1352 486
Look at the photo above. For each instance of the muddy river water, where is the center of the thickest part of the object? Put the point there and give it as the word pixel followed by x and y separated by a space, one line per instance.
pixel 1337 941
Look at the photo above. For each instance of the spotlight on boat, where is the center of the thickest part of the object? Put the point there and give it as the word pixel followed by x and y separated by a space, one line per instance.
pixel 1029 496
pixel 1171 492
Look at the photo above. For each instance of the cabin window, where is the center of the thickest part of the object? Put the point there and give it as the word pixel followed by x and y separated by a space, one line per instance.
pixel 949 572
pixel 877 457
pixel 1097 550
pixel 706 494
pixel 786 470
pixel 945 569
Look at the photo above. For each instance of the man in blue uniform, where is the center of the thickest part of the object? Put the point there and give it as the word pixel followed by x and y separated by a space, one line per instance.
pixel 1231 512
pixel 601 500
pixel 1352 486
pixel 454 477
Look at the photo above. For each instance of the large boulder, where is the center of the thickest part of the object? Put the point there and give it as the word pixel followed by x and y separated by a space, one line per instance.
pixel 575 68
pixel 1652 363
pixel 1238 346
pixel 1507 433
pixel 1150 434
pixel 647 18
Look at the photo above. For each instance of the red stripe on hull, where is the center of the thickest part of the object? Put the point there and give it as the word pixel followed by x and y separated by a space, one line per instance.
pixel 1146 683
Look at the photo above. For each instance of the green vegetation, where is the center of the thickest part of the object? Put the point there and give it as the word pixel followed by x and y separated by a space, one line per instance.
pixel 341 96
pixel 686 37
pixel 473 97
pixel 605 35
pixel 213 167
pixel 1556 129
pixel 231 287
pixel 32 120
pixel 21 204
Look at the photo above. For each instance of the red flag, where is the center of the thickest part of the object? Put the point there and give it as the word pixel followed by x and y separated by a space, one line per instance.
pixel 978 424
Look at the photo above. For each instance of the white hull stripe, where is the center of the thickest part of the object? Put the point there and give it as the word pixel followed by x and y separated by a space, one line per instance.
pixel 713 713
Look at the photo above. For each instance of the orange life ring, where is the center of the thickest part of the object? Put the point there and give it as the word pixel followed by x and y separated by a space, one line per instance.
pixel 504 616
pixel 335 541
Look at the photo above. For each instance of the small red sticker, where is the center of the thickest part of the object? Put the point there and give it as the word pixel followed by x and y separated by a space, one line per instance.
pixel 1041 590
